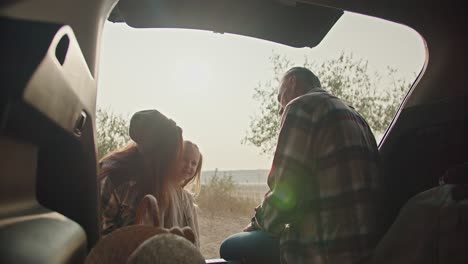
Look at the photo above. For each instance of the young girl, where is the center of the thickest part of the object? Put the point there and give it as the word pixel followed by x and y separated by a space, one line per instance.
pixel 145 166
pixel 191 165
pixel 183 208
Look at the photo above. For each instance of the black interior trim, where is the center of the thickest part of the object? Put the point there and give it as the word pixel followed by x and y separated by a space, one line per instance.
pixel 433 138
pixel 42 101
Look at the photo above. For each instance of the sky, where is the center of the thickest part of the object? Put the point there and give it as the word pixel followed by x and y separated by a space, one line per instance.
pixel 204 81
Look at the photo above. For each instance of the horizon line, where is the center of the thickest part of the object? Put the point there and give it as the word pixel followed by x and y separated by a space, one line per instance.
pixel 207 170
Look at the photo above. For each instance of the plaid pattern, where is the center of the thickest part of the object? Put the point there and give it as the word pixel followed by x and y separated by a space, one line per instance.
pixel 119 200
pixel 324 184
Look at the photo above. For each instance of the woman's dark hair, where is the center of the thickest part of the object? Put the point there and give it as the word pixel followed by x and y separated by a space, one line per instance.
pixel 150 160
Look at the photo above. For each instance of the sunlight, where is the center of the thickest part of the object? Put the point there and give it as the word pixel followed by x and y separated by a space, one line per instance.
pixel 206 81
pixel 191 74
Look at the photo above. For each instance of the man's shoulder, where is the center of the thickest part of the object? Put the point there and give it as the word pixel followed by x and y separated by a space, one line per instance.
pixel 318 102
pixel 313 97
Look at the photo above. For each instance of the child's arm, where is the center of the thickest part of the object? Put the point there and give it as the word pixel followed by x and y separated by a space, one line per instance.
pixel 192 216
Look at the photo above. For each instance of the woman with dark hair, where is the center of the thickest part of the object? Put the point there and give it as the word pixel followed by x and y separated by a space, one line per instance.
pixel 145 166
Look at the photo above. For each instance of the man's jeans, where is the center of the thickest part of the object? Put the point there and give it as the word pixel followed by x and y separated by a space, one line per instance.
pixel 251 247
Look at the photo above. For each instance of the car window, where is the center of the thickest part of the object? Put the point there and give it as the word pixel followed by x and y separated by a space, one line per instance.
pixel 221 89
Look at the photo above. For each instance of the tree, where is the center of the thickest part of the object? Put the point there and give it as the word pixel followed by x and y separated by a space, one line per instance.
pixel 112 131
pixel 375 96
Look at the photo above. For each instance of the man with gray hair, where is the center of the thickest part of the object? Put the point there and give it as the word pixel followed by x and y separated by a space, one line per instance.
pixel 324 183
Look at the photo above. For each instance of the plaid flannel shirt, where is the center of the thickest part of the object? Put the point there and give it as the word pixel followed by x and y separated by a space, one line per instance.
pixel 118 205
pixel 119 200
pixel 324 184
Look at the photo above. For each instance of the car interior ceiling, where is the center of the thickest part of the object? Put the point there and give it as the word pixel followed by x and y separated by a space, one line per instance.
pixel 55 134
pixel 269 20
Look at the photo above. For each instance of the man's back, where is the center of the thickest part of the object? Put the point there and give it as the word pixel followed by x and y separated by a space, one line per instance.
pixel 324 185
pixel 328 159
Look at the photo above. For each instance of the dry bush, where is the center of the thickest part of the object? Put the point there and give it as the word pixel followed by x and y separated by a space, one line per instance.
pixel 220 197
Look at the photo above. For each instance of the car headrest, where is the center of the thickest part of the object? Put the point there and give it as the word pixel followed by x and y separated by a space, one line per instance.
pixel 455 175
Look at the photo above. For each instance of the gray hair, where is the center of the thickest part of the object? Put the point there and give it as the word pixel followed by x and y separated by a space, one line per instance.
pixel 305 75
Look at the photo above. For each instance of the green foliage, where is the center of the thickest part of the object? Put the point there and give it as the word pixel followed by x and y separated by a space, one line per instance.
pixel 376 96
pixel 112 131
pixel 264 127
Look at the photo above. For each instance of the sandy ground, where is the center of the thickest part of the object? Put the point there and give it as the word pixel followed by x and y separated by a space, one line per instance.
pixel 215 228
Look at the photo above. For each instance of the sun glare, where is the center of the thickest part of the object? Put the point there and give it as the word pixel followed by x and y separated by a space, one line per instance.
pixel 206 81
pixel 191 74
